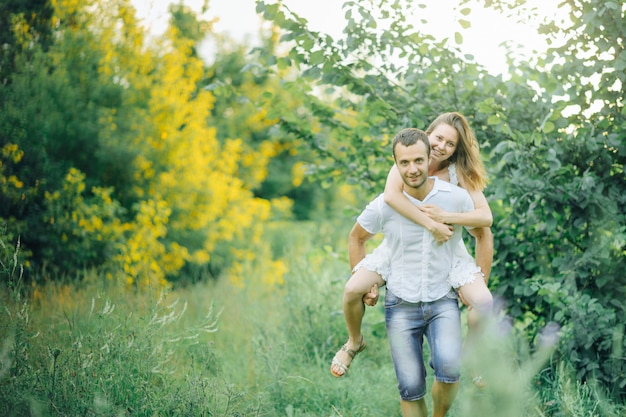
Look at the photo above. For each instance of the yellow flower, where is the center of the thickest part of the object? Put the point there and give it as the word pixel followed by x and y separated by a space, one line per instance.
pixel 298 172
pixel 15 182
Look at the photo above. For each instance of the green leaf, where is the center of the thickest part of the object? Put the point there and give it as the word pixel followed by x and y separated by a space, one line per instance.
pixel 313 73
pixel 548 127
pixel 283 62
pixel 316 58
pixel 270 10
pixel 494 119
pixel 620 62
pixel 554 164
pixel 458 38
pixel 465 24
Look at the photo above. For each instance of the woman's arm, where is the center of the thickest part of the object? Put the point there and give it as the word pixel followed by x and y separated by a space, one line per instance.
pixel 484 249
pixel 480 217
pixel 397 200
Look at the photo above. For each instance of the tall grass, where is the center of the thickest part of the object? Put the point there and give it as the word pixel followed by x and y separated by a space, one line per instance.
pixel 93 348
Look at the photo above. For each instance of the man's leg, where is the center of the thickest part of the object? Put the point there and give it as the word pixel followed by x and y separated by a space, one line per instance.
pixel 444 338
pixel 414 408
pixel 443 394
pixel 405 330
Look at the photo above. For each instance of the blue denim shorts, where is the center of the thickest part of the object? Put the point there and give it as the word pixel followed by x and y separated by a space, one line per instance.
pixel 407 323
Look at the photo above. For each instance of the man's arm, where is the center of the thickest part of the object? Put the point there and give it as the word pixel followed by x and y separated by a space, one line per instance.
pixel 356 244
pixel 356 252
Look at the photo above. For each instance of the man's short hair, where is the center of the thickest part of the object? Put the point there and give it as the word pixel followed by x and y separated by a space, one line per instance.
pixel 408 137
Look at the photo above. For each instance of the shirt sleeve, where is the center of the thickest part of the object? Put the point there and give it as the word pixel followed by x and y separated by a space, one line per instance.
pixel 371 217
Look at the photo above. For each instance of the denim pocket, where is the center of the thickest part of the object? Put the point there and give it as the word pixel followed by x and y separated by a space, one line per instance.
pixel 391 300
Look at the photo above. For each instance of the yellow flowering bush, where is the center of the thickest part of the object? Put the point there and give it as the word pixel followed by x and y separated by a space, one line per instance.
pixel 82 229
pixel 142 183
pixel 143 256
pixel 10 185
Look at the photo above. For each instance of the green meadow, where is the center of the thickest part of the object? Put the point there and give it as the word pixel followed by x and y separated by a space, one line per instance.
pixel 85 346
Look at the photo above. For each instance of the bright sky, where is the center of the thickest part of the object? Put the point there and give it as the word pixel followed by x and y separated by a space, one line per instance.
pixel 489 30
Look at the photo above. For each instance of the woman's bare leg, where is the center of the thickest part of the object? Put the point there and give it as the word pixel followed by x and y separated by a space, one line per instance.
pixel 478 297
pixel 356 288
pixel 480 302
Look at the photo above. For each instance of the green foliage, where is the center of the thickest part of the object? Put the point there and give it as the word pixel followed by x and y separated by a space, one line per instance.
pixel 239 83
pixel 87 229
pixel 35 14
pixel 51 109
pixel 552 132
pixel 186 21
pixel 572 274
pixel 563 238
pixel 357 91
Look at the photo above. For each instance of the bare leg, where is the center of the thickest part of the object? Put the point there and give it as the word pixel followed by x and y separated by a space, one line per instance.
pixel 480 301
pixel 353 310
pixel 478 297
pixel 414 408
pixel 443 394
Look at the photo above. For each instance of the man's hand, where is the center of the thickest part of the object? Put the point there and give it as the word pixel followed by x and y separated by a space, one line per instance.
pixel 371 298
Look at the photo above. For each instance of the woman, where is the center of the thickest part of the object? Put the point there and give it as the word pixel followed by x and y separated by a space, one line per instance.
pixel 454 158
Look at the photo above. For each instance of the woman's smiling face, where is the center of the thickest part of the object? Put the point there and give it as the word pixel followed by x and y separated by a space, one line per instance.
pixel 443 141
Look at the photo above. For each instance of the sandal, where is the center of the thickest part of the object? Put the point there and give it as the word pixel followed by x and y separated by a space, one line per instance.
pixel 479 382
pixel 351 352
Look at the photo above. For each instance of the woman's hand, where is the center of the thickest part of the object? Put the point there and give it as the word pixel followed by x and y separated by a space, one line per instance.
pixel 441 232
pixel 371 298
pixel 435 213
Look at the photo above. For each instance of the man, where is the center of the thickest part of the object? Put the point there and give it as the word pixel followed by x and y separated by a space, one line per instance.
pixel 419 300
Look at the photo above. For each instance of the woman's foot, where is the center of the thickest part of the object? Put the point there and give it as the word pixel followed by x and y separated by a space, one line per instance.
pixel 479 382
pixel 343 358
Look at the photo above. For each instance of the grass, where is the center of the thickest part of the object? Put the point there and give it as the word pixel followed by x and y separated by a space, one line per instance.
pixel 214 349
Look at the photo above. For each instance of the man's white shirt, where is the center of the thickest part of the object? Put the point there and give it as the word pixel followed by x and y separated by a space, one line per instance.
pixel 419 265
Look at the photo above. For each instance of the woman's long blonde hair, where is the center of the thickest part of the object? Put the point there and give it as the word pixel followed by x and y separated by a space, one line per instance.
pixel 466 156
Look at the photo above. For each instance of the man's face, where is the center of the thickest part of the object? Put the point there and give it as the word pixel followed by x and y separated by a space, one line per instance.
pixel 412 163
